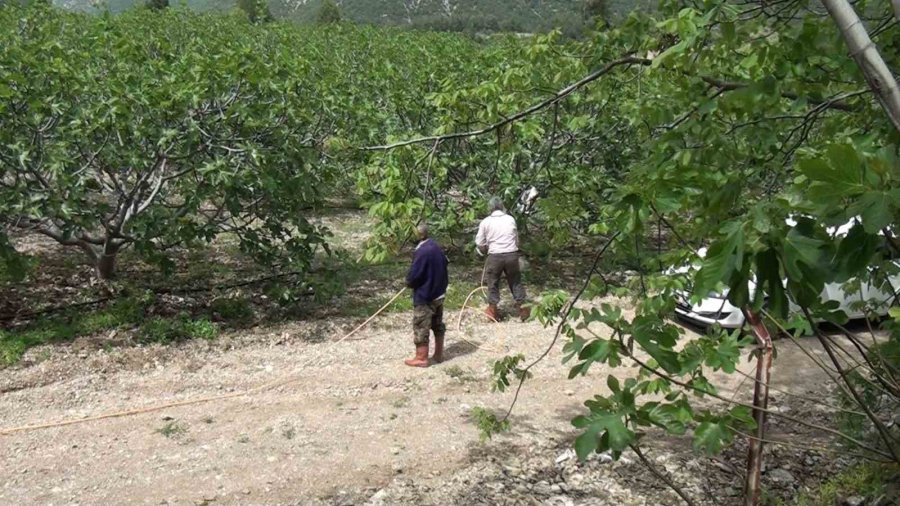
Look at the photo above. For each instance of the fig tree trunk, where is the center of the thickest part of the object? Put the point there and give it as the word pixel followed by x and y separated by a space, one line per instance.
pixel 102 258
pixel 105 266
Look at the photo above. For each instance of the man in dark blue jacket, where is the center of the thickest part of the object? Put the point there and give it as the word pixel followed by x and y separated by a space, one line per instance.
pixel 428 278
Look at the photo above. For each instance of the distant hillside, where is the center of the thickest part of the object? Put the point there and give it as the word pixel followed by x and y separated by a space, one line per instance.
pixel 116 6
pixel 454 15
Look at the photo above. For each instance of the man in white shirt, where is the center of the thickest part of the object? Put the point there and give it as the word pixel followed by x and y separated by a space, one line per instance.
pixel 498 237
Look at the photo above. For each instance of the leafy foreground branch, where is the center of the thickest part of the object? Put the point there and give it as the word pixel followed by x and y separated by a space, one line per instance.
pixel 745 134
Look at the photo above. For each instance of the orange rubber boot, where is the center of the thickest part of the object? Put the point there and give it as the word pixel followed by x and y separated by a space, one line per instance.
pixel 524 312
pixel 491 312
pixel 421 358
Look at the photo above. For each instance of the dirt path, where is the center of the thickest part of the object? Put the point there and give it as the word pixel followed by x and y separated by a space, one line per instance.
pixel 355 421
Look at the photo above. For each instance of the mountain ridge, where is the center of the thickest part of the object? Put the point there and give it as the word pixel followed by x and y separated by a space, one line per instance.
pixel 471 16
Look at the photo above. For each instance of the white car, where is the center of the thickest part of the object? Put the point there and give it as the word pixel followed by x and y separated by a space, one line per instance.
pixel 715 308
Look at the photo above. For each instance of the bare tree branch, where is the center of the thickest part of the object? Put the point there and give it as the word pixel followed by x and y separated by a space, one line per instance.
pixel 885 434
pixel 561 94
pixel 688 386
pixel 663 476
pixel 828 104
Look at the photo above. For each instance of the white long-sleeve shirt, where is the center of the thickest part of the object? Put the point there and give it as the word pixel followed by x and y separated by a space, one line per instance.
pixel 498 233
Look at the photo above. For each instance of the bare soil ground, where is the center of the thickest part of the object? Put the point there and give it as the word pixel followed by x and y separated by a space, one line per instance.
pixel 354 426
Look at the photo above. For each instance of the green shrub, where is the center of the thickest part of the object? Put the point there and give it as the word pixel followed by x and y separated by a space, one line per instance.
pixel 11 348
pixel 166 330
pixel 233 309
pixel 864 480
pixel 488 424
pixel 69 325
pixel 14 267
pixel 171 429
pixel 201 329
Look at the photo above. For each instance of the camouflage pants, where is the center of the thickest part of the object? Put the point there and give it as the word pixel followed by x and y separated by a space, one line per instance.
pixel 428 317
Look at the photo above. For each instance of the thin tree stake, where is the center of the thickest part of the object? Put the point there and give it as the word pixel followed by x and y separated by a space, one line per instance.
pixel 753 485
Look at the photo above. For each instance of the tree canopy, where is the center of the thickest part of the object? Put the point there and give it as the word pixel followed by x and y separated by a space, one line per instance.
pixel 124 132
pixel 596 9
pixel 329 12
pixel 257 10
pixel 157 4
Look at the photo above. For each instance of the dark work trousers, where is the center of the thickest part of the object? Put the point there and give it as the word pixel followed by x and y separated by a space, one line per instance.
pixel 504 264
